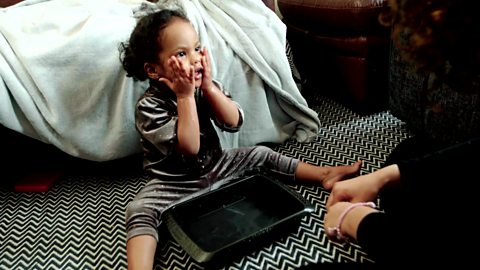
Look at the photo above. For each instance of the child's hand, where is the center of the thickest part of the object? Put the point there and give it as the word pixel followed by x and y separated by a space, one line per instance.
pixel 183 81
pixel 207 71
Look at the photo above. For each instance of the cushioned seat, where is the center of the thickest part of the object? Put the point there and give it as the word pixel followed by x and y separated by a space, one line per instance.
pixel 341 49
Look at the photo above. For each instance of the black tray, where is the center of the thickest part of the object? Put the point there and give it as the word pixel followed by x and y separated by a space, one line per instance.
pixel 232 217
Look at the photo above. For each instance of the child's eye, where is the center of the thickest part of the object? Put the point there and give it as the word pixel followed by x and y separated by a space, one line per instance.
pixel 181 54
pixel 197 49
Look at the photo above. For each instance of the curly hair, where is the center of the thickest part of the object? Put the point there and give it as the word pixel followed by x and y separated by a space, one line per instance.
pixel 142 46
pixel 441 37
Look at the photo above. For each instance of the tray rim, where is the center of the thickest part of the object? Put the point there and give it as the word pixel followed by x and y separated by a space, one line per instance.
pixel 202 255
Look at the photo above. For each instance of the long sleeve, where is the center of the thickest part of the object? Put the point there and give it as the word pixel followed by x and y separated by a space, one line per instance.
pixel 429 216
pixel 444 166
pixel 382 238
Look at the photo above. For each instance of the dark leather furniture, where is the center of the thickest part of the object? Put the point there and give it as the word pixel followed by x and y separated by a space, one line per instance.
pixel 340 49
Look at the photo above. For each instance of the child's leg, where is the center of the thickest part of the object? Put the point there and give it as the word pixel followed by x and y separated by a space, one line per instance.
pixel 141 252
pixel 235 162
pixel 143 217
pixel 326 175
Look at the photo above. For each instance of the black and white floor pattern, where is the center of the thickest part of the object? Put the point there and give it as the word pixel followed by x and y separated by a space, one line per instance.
pixel 79 223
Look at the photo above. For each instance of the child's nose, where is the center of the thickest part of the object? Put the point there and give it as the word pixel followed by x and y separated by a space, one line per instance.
pixel 195 58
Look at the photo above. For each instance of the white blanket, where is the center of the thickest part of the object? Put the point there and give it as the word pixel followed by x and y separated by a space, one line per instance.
pixel 62 81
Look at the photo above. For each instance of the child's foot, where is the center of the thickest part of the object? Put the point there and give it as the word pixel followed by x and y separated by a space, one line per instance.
pixel 339 173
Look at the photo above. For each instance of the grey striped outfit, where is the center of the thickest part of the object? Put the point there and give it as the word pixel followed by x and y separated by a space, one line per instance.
pixel 174 176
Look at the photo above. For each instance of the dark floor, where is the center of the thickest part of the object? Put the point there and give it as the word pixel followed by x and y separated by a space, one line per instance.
pixel 79 223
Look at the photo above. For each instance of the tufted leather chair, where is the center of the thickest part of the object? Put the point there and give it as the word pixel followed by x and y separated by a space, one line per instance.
pixel 341 49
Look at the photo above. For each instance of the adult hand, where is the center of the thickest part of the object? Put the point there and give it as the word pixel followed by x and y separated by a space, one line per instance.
pixel 356 189
pixel 363 188
pixel 332 217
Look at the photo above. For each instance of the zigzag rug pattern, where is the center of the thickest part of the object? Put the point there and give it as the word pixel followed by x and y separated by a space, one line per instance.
pixel 79 224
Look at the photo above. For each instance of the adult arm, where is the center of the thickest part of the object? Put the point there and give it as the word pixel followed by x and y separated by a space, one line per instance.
pixel 365 187
pixel 385 240
pixel 403 232
pixel 441 170
pixel 418 176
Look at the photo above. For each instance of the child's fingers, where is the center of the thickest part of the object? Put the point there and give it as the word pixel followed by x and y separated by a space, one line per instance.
pixel 205 51
pixel 180 69
pixel 174 65
pixel 205 54
pixel 192 73
pixel 205 59
pixel 177 66
pixel 205 66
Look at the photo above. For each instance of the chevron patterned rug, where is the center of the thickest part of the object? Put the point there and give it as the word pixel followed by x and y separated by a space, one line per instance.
pixel 79 223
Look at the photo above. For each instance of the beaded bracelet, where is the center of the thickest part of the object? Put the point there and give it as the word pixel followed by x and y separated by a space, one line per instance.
pixel 335 231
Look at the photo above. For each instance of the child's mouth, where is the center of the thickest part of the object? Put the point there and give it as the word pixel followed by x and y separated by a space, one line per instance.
pixel 198 73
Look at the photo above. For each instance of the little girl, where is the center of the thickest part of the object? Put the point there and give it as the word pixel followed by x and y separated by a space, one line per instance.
pixel 182 152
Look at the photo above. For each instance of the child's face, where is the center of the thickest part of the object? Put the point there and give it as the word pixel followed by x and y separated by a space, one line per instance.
pixel 180 39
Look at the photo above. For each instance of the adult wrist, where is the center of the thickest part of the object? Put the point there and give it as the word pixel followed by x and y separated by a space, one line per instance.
pixel 349 220
pixel 353 219
pixel 390 175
